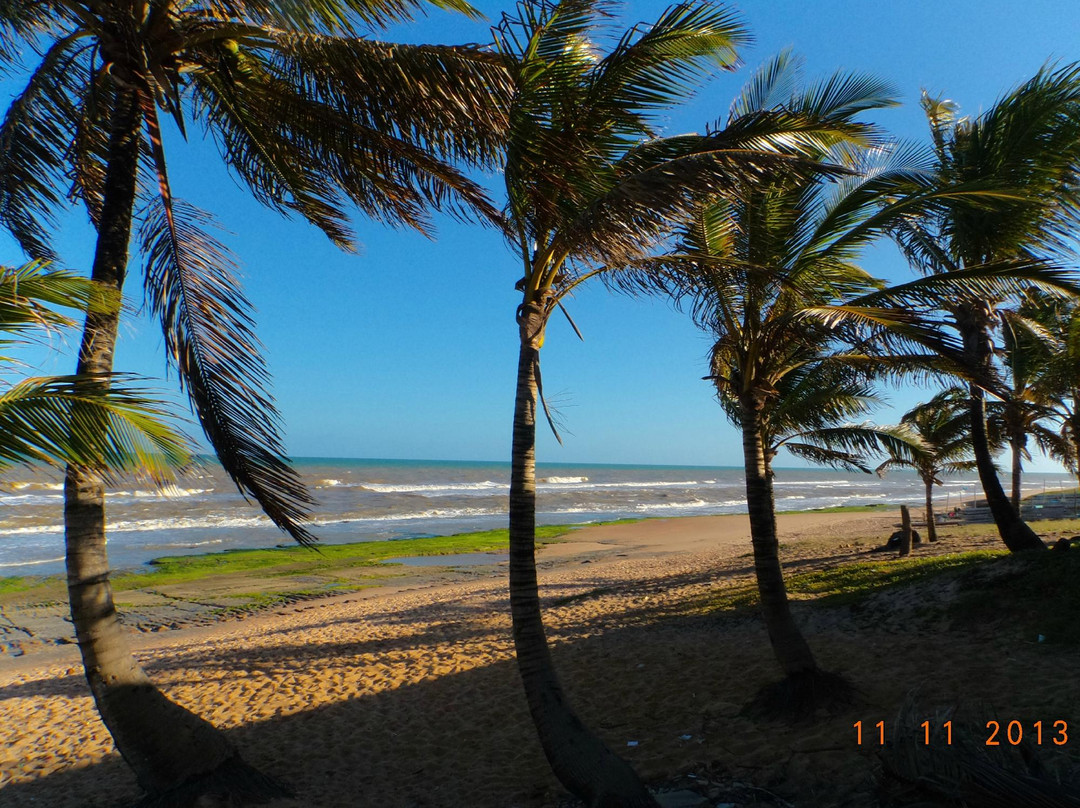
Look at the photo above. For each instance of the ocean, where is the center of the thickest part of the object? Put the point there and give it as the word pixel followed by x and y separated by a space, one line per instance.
pixel 381 500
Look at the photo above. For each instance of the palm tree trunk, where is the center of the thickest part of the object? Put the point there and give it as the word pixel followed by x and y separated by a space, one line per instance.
pixel 579 759
pixel 1013 530
pixel 1017 443
pixel 791 649
pixel 973 322
pixel 1073 420
pixel 931 528
pixel 169 748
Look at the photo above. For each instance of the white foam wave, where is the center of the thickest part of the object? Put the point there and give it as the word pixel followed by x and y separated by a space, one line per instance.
pixel 490 486
pixel 34 486
pixel 15 500
pixel 828 483
pixel 31 531
pixel 650 484
pixel 417 488
pixel 31 563
pixel 132 526
pixel 434 513
pixel 165 492
pixel 647 507
pixel 328 483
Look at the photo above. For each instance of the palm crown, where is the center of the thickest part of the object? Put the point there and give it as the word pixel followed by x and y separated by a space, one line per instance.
pixel 311 117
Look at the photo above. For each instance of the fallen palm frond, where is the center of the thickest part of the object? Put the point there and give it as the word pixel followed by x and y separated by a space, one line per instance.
pixel 968 772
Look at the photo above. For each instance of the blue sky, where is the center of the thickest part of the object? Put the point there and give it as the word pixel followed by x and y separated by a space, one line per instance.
pixel 408 349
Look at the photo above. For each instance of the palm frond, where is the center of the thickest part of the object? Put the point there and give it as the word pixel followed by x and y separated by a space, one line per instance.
pixel 342 17
pixel 772 86
pixel 833 458
pixel 35 136
pixel 325 157
pixel 451 99
pixel 190 285
pixel 95 423
pixel 24 22
pixel 662 64
pixel 995 280
pixel 854 444
pixel 28 294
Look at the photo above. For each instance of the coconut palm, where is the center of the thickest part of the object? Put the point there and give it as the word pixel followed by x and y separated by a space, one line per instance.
pixel 756 267
pixel 813 410
pixel 1026 410
pixel 1057 380
pixel 1028 146
pixel 590 189
pixel 312 117
pixel 944 425
pixel 56 420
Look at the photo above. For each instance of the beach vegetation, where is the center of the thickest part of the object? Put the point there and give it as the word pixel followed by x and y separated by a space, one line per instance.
pixel 850 583
pixel 330 556
pixel 1025 152
pixel 1018 598
pixel 18 583
pixel 314 117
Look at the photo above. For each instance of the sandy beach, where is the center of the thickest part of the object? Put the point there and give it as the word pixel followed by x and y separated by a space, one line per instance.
pixel 407 694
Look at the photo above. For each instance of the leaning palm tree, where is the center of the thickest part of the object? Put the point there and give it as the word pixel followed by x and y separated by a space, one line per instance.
pixel 755 267
pixel 590 189
pixel 1028 146
pixel 58 420
pixel 944 425
pixel 313 118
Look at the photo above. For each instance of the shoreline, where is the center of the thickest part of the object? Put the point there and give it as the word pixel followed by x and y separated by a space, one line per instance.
pixel 159 602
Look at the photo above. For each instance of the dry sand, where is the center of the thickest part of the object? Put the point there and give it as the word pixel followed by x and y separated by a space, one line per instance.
pixel 410 698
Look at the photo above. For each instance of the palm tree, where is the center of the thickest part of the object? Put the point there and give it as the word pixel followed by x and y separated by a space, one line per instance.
pixel 1028 147
pixel 944 425
pixel 812 414
pixel 757 267
pixel 590 189
pixel 312 117
pixel 1026 405
pixel 56 420
pixel 1059 379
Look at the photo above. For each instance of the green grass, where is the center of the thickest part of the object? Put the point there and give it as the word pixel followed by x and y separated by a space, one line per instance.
pixel 17 583
pixel 1020 596
pixel 336 567
pixel 848 584
pixel 851 583
pixel 878 507
pixel 300 560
